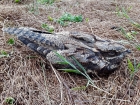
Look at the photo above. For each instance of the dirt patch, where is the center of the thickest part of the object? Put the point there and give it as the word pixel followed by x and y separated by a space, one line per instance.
pixel 26 80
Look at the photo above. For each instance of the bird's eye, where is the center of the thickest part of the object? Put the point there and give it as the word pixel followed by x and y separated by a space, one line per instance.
pixel 111 53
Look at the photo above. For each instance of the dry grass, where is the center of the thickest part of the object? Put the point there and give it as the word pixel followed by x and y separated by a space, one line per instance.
pixel 32 82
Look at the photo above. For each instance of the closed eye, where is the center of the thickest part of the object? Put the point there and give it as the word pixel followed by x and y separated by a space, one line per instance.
pixel 111 53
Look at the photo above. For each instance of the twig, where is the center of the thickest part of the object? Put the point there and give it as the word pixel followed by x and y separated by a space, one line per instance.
pixel 46 86
pixel 61 84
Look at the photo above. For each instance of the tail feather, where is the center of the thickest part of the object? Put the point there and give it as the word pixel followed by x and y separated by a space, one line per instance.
pixel 33 35
pixel 35 47
pixel 22 31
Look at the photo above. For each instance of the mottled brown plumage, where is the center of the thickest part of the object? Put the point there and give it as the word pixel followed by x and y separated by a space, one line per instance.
pixel 93 52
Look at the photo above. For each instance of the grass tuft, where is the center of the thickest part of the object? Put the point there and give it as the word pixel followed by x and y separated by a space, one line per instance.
pixel 4 54
pixel 46 1
pixel 130 35
pixel 82 71
pixel 67 17
pixel 17 1
pixel 10 100
pixel 133 67
pixel 11 41
pixel 47 27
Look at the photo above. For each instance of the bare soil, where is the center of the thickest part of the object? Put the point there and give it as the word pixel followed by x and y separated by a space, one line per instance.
pixel 29 82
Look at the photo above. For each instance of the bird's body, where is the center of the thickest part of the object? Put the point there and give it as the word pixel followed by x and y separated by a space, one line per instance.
pixel 93 52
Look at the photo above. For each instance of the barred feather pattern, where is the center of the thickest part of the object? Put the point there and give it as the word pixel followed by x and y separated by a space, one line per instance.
pixel 93 52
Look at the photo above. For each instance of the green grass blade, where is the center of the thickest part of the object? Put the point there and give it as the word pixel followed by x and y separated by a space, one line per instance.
pixel 70 71
pixel 62 63
pixel 130 65
pixel 90 81
pixel 64 59
pixel 11 41
pixel 138 46
pixel 79 65
pixel 138 66
pixel 79 88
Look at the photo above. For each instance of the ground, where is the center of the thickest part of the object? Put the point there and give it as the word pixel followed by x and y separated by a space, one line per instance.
pixel 24 75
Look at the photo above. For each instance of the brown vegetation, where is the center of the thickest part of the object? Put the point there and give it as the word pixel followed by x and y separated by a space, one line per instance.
pixel 27 80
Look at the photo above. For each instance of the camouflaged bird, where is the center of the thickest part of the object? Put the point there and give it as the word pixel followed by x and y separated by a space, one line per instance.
pixel 93 52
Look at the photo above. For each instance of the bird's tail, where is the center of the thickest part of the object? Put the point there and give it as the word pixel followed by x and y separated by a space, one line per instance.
pixel 30 33
pixel 35 47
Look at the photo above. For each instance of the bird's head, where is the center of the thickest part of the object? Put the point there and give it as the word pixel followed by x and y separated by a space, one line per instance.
pixel 108 57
